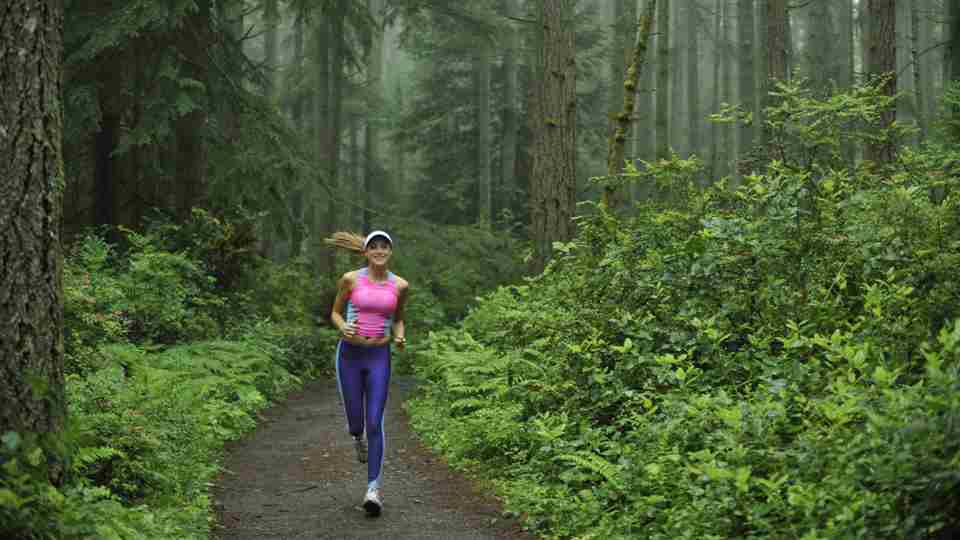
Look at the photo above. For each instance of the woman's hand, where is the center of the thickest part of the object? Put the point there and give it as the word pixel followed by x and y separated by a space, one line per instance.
pixel 348 330
pixel 400 342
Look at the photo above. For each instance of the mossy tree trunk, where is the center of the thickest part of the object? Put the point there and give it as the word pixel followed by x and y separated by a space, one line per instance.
pixel 622 121
pixel 32 182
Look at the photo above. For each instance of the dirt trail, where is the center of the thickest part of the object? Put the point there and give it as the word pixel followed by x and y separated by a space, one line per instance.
pixel 297 477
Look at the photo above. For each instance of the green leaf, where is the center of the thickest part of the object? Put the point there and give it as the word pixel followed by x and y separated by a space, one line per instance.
pixel 11 440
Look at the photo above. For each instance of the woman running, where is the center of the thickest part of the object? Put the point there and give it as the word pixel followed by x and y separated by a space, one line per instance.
pixel 368 312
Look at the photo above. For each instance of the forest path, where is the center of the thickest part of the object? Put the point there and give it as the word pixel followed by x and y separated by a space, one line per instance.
pixel 297 477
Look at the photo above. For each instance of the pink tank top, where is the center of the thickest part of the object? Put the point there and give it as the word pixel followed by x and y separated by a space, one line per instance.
pixel 371 304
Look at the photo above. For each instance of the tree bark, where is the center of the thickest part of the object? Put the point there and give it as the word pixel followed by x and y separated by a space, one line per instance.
pixel 623 29
pixel 190 140
pixel 482 70
pixel 663 79
pixel 621 125
pixel 716 127
pixel 919 102
pixel 693 77
pixel 511 127
pixel 553 189
pixel 954 49
pixel 882 62
pixel 374 183
pixel 321 122
pixel 746 84
pixel 335 132
pixel 776 49
pixel 399 155
pixel 32 183
pixel 821 47
pixel 271 19
pixel 726 87
pixel 297 204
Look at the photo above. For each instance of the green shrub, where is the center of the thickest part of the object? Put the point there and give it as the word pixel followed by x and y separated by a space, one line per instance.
pixel 778 360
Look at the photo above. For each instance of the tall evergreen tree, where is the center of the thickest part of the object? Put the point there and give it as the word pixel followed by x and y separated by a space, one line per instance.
pixel 693 75
pixel 554 124
pixel 482 68
pixel 32 182
pixel 663 79
pixel 510 120
pixel 191 149
pixel 746 85
pixel 374 184
pixel 882 63
pixel 777 52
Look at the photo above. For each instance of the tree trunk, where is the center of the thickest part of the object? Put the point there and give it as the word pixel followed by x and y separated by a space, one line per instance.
pixel 693 77
pixel 353 216
pixel 321 131
pixel 482 69
pixel 399 155
pixel 191 142
pixel 715 127
pixel 663 79
pixel 508 146
pixel 296 101
pixel 919 102
pixel 746 84
pixel 954 40
pixel 845 26
pixel 271 19
pixel 821 47
pixel 104 177
pixel 31 266
pixel 677 102
pixel 621 125
pixel 336 127
pixel 776 49
pixel 622 24
pixel 953 29
pixel 374 182
pixel 726 87
pixel 553 183
pixel 882 62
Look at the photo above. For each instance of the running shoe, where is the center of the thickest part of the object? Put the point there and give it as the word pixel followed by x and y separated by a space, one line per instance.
pixel 360 444
pixel 372 502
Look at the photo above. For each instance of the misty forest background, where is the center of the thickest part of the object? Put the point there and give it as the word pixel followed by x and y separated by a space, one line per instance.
pixel 679 269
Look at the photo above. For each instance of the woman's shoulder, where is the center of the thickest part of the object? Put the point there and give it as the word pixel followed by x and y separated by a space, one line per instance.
pixel 402 284
pixel 349 278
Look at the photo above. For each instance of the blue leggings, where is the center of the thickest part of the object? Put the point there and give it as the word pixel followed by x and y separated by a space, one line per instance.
pixel 363 377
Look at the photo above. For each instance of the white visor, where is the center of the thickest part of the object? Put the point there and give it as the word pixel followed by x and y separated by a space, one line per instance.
pixel 375 234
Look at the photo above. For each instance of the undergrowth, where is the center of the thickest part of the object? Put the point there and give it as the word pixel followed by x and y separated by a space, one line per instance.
pixel 779 360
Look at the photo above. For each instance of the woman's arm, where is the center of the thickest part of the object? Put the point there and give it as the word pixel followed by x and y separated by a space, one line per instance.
pixel 344 286
pixel 398 330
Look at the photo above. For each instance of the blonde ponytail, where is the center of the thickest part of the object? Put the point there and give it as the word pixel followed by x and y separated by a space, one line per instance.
pixel 345 240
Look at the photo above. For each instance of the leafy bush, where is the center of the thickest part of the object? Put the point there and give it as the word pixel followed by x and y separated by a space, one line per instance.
pixel 158 377
pixel 146 431
pixel 779 360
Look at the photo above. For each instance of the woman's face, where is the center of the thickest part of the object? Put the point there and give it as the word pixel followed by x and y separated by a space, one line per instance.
pixel 378 252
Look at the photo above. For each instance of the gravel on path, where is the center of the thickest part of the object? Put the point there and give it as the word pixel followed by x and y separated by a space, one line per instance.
pixel 297 477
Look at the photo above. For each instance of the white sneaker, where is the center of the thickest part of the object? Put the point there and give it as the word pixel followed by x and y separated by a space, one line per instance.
pixel 372 502
pixel 360 444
